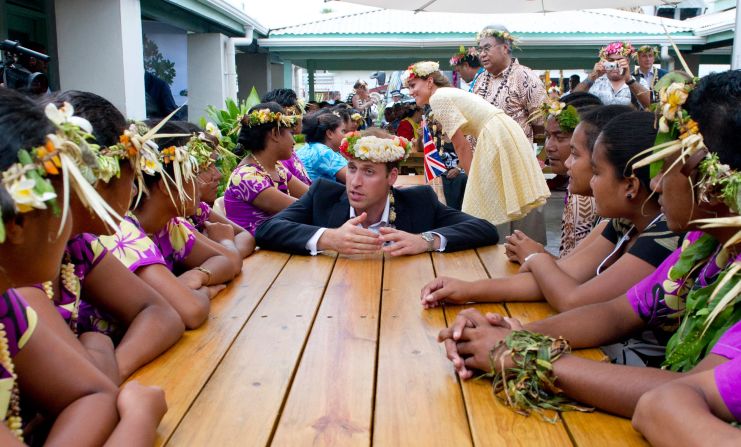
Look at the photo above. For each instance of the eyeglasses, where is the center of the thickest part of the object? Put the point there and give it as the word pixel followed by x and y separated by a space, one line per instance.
pixel 488 47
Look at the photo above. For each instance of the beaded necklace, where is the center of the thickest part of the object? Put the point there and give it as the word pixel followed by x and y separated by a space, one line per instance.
pixel 13 418
pixel 71 284
pixel 487 79
pixel 282 177
pixel 392 210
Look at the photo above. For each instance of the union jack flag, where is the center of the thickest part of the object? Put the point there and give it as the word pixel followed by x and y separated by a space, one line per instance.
pixel 434 165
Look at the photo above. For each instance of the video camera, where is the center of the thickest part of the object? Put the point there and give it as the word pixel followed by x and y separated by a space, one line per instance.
pixel 14 75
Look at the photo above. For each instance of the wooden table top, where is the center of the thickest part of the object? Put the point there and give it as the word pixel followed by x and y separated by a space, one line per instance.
pixel 336 350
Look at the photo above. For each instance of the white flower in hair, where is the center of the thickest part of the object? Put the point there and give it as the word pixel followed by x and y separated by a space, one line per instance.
pixel 66 114
pixel 419 70
pixel 25 196
pixel 211 129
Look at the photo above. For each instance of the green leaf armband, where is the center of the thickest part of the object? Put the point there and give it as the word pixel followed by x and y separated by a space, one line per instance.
pixel 531 384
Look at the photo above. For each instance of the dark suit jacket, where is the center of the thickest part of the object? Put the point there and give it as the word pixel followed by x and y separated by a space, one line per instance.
pixel 417 210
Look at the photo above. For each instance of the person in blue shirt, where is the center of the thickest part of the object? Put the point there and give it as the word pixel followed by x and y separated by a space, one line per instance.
pixel 324 131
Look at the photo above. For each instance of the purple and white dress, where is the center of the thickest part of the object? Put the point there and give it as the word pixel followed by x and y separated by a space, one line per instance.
pixel 245 184
pixel 296 167
pixel 19 320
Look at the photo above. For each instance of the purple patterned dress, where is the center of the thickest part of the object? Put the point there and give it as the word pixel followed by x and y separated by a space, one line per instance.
pixel 201 216
pixel 131 245
pixel 175 241
pixel 728 375
pixel 296 167
pixel 19 320
pixel 245 184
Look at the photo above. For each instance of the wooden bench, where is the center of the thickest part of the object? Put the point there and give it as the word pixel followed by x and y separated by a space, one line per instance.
pixel 332 350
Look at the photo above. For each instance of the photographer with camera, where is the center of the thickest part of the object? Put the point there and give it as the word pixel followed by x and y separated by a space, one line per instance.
pixel 611 80
pixel 18 68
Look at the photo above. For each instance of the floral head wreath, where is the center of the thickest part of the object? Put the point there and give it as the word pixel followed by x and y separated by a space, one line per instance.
pixel 136 146
pixel 460 57
pixel 298 109
pixel 419 70
pixel 648 49
pixel 68 152
pixel 624 49
pixel 375 149
pixel 566 116
pixel 500 34
pixel 203 145
pixel 358 118
pixel 265 116
pixel 554 89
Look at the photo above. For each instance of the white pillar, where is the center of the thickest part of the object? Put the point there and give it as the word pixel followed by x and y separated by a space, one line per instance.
pixel 100 50
pixel 207 69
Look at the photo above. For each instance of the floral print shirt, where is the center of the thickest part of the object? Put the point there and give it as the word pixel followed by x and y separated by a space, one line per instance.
pixel 321 161
pixel 201 216
pixel 296 168
pixel 245 184
pixel 131 245
pixel 175 241
pixel 19 321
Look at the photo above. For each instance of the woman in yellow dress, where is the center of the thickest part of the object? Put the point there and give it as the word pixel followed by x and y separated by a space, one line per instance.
pixel 504 178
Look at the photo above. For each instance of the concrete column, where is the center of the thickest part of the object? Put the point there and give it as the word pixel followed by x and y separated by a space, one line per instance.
pixel 100 50
pixel 207 83
pixel 310 69
pixel 253 71
pixel 288 75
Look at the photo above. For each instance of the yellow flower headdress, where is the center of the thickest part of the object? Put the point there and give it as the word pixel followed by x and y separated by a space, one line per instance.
pixel 265 116
pixel 493 32
pixel 67 152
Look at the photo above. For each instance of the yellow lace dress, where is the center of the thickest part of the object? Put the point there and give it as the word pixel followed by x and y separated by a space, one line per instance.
pixel 505 181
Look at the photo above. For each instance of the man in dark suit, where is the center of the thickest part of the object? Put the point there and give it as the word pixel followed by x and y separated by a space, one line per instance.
pixel 367 214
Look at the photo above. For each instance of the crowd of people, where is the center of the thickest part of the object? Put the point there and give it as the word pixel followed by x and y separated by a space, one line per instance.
pixel 114 239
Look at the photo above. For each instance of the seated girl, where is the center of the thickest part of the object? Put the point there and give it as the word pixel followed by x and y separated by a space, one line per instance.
pixel 324 131
pixel 289 101
pixel 260 186
pixel 202 265
pixel 631 246
pixel 579 215
pixel 94 292
pixel 51 376
pixel 207 220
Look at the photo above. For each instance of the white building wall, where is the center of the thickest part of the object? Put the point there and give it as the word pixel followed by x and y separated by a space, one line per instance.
pixel 108 33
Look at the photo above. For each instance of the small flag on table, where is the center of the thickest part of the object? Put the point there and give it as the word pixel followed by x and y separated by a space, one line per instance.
pixel 434 165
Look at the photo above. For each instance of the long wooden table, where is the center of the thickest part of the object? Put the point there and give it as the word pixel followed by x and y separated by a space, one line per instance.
pixel 336 350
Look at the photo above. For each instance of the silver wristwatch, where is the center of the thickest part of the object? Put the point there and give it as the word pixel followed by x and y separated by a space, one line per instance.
pixel 430 239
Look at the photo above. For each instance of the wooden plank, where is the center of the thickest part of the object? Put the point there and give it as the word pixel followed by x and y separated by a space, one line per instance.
pixel 495 261
pixel 491 422
pixel 331 398
pixel 176 372
pixel 418 400
pixel 242 400
pixel 601 429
